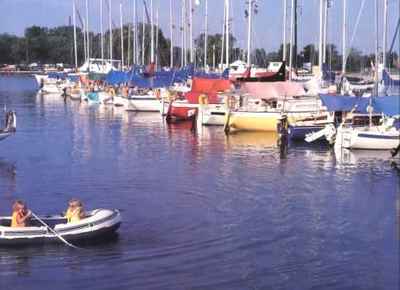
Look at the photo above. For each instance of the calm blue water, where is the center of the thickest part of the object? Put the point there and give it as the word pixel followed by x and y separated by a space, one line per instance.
pixel 201 211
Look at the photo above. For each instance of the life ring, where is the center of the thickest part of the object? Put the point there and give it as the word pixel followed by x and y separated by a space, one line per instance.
pixel 203 99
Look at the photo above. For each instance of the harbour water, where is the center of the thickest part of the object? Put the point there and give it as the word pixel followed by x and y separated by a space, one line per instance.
pixel 200 210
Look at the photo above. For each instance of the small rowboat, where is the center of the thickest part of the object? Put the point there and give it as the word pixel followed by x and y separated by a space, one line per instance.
pixel 97 224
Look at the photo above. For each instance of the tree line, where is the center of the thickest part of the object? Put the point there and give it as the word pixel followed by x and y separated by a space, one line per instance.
pixel 56 45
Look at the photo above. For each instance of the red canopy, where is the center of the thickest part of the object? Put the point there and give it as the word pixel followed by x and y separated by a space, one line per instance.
pixel 209 87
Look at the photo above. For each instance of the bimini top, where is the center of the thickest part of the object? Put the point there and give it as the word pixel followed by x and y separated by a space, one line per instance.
pixel 388 105
pixel 209 87
pixel 272 90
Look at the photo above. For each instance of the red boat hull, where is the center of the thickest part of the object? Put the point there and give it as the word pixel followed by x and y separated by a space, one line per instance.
pixel 181 113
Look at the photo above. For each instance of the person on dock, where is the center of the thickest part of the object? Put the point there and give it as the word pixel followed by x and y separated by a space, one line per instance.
pixel 20 215
pixel 75 211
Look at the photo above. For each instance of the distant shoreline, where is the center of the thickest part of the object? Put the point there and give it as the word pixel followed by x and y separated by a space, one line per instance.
pixel 21 72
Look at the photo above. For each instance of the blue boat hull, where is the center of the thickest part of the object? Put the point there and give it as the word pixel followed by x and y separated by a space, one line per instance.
pixel 298 133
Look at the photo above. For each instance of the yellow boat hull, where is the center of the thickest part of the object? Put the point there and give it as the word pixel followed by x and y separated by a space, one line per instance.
pixel 252 121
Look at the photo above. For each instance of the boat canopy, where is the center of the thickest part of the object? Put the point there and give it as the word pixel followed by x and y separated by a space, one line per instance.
pixel 57 75
pixel 389 81
pixel 145 77
pixel 388 105
pixel 115 77
pixel 272 90
pixel 209 87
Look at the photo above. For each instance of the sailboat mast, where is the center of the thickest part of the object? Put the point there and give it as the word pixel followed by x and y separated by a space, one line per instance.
pixel 134 37
pixel 291 39
pixel 206 35
pixel 227 32
pixel 143 36
pixel 182 33
pixel 87 30
pixel 295 35
pixel 376 59
pixel 344 37
pixel 84 38
pixel 321 34
pixel 171 27
pixel 250 12
pixel 152 32
pixel 191 30
pixel 101 31
pixel 122 35
pixel 385 32
pixel 284 58
pixel 111 33
pixel 223 38
pixel 156 54
pixel 214 57
pixel 376 45
pixel 325 30
pixel 74 22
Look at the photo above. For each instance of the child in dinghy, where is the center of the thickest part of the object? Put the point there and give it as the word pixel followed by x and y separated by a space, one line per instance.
pixel 75 211
pixel 20 215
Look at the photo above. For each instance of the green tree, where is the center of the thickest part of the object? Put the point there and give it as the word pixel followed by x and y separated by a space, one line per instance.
pixel 37 44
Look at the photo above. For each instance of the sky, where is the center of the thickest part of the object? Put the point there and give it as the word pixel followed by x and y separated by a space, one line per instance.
pixel 267 27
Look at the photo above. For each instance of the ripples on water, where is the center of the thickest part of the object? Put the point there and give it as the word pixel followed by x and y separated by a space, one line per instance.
pixel 201 211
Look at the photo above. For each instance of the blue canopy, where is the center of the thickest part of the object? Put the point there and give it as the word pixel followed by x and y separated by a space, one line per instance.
pixel 73 78
pixel 388 105
pixel 117 77
pixel 388 81
pixel 160 79
pixel 57 75
pixel 337 103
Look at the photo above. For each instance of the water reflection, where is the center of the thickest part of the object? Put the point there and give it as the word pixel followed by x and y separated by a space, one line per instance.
pixel 200 210
pixel 346 158
pixel 8 177
pixel 10 84
pixel 257 141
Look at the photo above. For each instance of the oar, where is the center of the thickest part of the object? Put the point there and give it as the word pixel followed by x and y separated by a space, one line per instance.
pixel 54 232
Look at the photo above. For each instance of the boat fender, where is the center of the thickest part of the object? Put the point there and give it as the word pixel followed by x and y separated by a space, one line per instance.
pixel 158 94
pixel 231 102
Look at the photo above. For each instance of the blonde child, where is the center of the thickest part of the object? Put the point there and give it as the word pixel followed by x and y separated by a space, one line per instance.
pixel 75 211
pixel 20 215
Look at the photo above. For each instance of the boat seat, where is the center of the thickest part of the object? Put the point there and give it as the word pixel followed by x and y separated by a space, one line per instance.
pixel 5 222
pixel 52 222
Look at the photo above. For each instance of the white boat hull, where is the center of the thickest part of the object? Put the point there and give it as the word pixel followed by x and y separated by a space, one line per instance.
pixel 99 222
pixel 367 138
pixel 212 115
pixel 141 104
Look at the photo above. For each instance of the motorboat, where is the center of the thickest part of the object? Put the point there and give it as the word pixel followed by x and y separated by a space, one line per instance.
pixel 203 101
pixel 382 137
pixel 97 224
pixel 372 123
pixel 144 101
